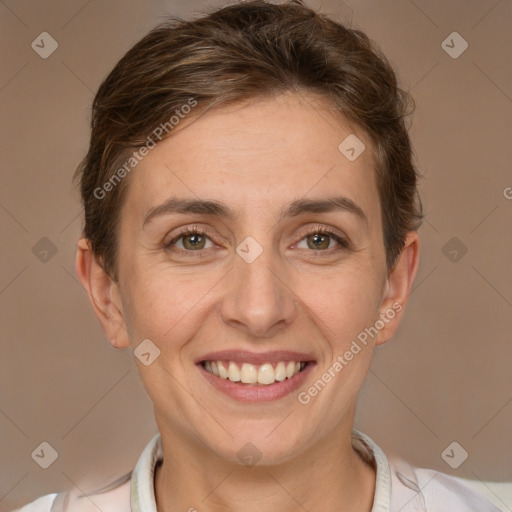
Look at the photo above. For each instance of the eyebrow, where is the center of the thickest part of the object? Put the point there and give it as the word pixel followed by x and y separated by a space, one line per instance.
pixel 175 205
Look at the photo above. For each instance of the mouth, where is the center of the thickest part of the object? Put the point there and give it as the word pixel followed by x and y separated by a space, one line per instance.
pixel 251 377
pixel 247 374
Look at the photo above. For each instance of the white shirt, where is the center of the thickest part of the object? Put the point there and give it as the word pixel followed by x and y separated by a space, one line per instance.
pixel 399 487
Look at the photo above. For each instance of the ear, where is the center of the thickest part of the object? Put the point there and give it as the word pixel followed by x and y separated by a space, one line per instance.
pixel 103 293
pixel 398 288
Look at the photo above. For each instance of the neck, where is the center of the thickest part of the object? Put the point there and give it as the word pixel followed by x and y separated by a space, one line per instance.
pixel 330 477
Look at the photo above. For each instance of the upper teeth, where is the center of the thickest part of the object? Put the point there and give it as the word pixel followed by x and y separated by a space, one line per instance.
pixel 252 374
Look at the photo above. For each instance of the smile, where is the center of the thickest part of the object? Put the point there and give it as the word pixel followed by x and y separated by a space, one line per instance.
pixel 249 377
pixel 250 374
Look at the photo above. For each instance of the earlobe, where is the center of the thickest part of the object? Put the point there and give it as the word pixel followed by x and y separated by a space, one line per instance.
pixel 101 290
pixel 398 287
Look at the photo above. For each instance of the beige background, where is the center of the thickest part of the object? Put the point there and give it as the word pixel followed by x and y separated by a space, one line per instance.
pixel 445 377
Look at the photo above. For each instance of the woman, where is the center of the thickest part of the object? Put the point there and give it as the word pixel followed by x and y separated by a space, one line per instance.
pixel 251 219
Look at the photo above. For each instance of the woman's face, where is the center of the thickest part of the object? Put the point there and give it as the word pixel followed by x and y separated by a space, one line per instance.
pixel 262 280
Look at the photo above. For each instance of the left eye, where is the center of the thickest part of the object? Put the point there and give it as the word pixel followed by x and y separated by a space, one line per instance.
pixel 321 240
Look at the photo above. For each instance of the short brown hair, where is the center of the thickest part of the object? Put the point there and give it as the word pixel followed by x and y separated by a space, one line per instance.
pixel 241 52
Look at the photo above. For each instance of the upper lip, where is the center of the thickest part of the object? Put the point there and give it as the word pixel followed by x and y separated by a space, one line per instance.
pixel 245 356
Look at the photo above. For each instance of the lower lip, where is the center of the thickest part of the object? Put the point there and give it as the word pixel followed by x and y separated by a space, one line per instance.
pixel 257 393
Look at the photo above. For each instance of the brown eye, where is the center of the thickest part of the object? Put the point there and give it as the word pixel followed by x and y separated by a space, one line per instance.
pixel 318 241
pixel 191 240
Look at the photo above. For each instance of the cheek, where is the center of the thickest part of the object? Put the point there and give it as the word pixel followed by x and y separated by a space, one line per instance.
pixel 162 306
pixel 345 300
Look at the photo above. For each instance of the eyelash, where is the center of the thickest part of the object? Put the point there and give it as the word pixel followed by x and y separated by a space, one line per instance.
pixel 315 230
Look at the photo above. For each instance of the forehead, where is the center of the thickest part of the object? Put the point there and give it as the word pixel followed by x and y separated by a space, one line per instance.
pixel 257 156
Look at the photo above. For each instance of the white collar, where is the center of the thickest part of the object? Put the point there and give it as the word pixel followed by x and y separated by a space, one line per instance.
pixel 142 490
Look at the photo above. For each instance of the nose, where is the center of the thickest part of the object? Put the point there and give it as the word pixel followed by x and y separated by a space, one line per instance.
pixel 258 299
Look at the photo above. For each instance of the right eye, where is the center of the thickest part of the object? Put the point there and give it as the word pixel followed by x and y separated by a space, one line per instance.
pixel 192 240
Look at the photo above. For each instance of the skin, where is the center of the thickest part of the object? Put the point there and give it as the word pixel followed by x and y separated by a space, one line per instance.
pixel 256 158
